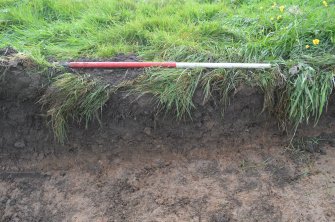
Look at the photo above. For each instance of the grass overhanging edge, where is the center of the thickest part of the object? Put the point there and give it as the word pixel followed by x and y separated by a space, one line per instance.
pixel 293 98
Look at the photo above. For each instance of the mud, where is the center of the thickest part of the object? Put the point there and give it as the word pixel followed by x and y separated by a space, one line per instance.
pixel 140 166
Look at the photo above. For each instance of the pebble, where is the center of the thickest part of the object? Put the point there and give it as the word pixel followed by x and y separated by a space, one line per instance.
pixel 40 156
pixel 147 130
pixel 19 144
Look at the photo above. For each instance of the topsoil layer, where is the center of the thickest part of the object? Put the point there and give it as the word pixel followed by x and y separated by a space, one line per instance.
pixel 139 166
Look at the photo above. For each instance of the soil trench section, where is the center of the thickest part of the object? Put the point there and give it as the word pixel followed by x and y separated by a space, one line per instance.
pixel 140 166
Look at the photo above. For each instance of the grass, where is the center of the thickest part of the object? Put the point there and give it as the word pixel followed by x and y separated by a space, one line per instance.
pixel 309 93
pixel 189 30
pixel 76 98
pixel 283 33
pixel 174 89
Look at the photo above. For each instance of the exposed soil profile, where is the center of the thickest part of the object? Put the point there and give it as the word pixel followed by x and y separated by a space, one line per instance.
pixel 139 166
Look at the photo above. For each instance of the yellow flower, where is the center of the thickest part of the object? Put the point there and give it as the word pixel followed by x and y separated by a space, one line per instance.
pixel 325 3
pixel 274 5
pixel 281 8
pixel 279 17
pixel 316 41
pixel 307 46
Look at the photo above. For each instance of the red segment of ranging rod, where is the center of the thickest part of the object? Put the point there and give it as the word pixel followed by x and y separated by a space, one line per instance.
pixel 109 65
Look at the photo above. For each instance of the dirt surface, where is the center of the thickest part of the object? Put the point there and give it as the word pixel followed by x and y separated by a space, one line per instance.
pixel 139 166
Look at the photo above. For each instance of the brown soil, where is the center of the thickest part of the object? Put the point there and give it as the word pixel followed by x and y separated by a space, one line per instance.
pixel 142 167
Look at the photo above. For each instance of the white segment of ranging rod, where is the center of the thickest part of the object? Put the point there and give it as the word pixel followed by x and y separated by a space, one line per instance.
pixel 223 65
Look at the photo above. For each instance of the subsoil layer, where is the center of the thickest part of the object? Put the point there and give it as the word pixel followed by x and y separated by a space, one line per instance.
pixel 140 166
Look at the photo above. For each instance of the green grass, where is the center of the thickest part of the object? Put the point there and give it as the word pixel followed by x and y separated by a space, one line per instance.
pixel 174 89
pixel 188 30
pixel 184 30
pixel 76 98
pixel 309 93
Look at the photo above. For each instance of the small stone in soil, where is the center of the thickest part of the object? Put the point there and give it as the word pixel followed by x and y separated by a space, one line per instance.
pixel 147 130
pixel 19 144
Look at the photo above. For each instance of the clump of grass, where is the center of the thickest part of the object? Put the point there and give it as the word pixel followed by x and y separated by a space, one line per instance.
pixel 74 97
pixel 221 82
pixel 308 93
pixel 225 82
pixel 267 81
pixel 173 89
